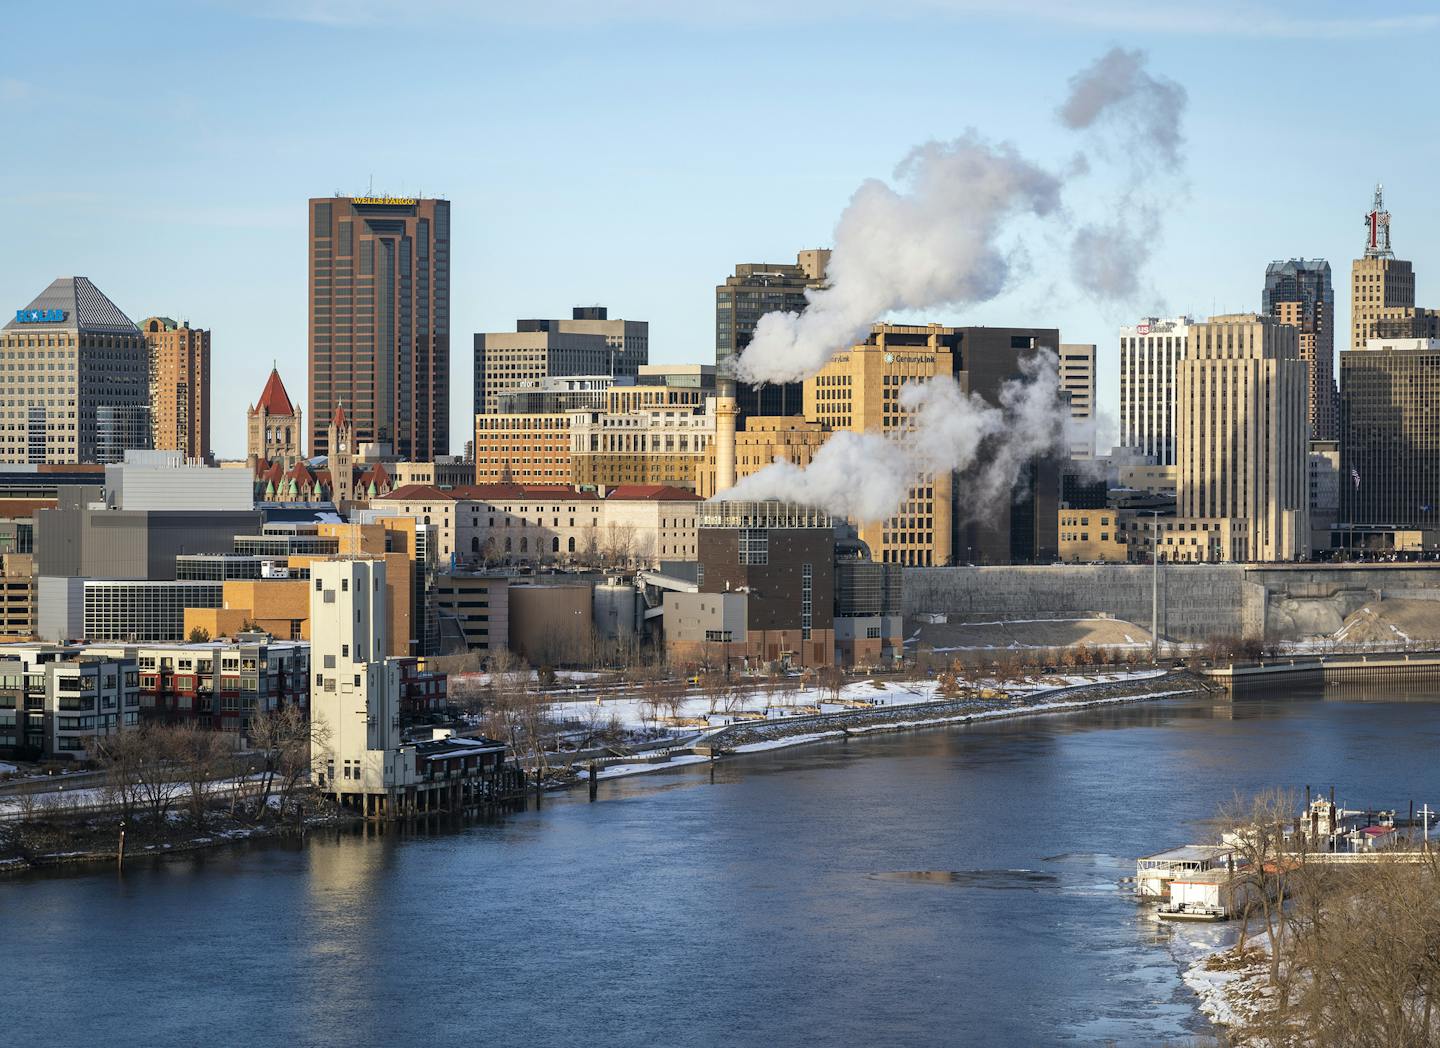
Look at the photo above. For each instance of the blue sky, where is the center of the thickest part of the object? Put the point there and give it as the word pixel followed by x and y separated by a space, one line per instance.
pixel 631 153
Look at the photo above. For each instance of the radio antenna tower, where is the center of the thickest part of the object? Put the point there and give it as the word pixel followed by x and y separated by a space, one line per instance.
pixel 1377 226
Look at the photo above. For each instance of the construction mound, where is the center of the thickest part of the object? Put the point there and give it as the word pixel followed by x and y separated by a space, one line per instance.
pixel 1029 633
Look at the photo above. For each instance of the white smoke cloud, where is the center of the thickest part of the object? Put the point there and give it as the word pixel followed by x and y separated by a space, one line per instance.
pixel 1117 90
pixel 932 242
pixel 867 476
pixel 1107 258
pixel 1144 114
pixel 941 237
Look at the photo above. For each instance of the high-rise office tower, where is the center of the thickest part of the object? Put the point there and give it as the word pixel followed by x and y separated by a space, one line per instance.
pixel 1077 379
pixel 513 361
pixel 76 379
pixel 380 321
pixel 629 340
pixel 1390 448
pixel 758 288
pixel 1381 286
pixel 859 389
pixel 1241 440
pixel 179 386
pixel 1299 293
pixel 1149 353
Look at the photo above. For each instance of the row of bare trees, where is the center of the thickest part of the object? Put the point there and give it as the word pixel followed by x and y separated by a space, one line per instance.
pixel 158 769
pixel 1353 947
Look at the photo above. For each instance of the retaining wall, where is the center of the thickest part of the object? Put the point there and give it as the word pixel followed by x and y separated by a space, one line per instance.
pixel 1197 601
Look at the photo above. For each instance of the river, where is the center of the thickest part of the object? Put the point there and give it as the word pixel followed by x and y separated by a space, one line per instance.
pixel 949 886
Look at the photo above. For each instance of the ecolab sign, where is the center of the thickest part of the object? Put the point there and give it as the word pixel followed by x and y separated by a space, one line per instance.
pixel 39 316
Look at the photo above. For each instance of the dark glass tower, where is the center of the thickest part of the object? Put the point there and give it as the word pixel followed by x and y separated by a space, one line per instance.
pixel 380 321
pixel 758 288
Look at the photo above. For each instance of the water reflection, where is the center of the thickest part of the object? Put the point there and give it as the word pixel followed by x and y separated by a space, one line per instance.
pixel 958 886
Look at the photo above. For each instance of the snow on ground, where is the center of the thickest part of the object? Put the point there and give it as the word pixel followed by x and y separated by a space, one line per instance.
pixel 616 771
pixel 8 769
pixel 66 800
pixel 630 708
pixel 1229 990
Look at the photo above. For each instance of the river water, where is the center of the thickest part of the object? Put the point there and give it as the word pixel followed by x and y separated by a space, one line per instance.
pixel 943 887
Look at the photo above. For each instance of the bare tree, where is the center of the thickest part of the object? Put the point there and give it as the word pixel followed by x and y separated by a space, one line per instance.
pixel 200 755
pixel 288 739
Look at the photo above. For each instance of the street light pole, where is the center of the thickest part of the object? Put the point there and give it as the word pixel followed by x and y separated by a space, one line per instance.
pixel 1155 586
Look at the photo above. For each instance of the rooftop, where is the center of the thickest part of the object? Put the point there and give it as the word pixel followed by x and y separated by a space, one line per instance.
pixel 72 304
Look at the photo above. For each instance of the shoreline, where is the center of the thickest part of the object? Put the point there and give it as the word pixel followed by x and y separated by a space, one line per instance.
pixel 946 714
pixel 49 863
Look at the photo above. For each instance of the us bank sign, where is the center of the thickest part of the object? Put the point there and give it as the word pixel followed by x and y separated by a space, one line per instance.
pixel 39 316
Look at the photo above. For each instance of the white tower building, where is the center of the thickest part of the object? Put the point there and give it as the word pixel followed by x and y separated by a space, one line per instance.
pixel 355 698
pixel 1149 354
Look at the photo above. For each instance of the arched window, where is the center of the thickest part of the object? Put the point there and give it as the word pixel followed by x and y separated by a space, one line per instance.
pixel 524 545
pixel 475 544
pixel 555 544
pixel 572 543
pixel 507 544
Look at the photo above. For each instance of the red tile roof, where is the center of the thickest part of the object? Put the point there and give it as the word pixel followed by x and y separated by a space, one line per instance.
pixel 489 493
pixel 274 399
pixel 415 492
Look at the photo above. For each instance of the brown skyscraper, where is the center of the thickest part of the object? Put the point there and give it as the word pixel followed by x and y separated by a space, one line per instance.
pixel 380 321
pixel 179 386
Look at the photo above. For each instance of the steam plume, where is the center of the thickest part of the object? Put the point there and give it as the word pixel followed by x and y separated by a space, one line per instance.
pixel 937 238
pixel 867 476
pixel 1117 89
pixel 931 242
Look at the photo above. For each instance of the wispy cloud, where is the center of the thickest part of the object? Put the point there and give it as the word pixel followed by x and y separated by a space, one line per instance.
pixel 1326 19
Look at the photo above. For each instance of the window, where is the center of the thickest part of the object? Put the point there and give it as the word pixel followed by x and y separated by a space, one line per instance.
pixel 755 546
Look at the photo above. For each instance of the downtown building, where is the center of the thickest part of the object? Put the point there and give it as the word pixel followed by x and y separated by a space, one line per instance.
pixel 1077 381
pixel 1299 293
pixel 1389 474
pixel 628 340
pixel 1382 289
pixel 1241 441
pixel 1150 352
pixel 76 379
pixel 757 288
pixel 179 387
pixel 379 277
pixel 512 361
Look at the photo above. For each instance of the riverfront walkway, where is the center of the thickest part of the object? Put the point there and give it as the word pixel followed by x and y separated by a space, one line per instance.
pixel 1399 665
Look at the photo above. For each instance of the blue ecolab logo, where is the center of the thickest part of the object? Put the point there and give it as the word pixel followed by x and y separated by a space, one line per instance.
pixel 39 316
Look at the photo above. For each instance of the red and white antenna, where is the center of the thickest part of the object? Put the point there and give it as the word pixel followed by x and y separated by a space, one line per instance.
pixel 1377 227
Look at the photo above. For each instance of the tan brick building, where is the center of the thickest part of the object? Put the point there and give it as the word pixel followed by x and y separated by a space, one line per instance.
pixel 524 448
pixel 766 439
pixel 179 386
pixel 647 445
pixel 859 390
pixel 1091 535
pixel 1242 406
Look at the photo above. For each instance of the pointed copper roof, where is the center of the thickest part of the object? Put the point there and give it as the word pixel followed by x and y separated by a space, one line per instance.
pixel 339 420
pixel 274 399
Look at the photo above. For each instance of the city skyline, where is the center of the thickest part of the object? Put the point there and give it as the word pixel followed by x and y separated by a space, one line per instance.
pixel 207 237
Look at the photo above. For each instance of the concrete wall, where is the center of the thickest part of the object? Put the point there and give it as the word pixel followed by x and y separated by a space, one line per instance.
pixel 1273 602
